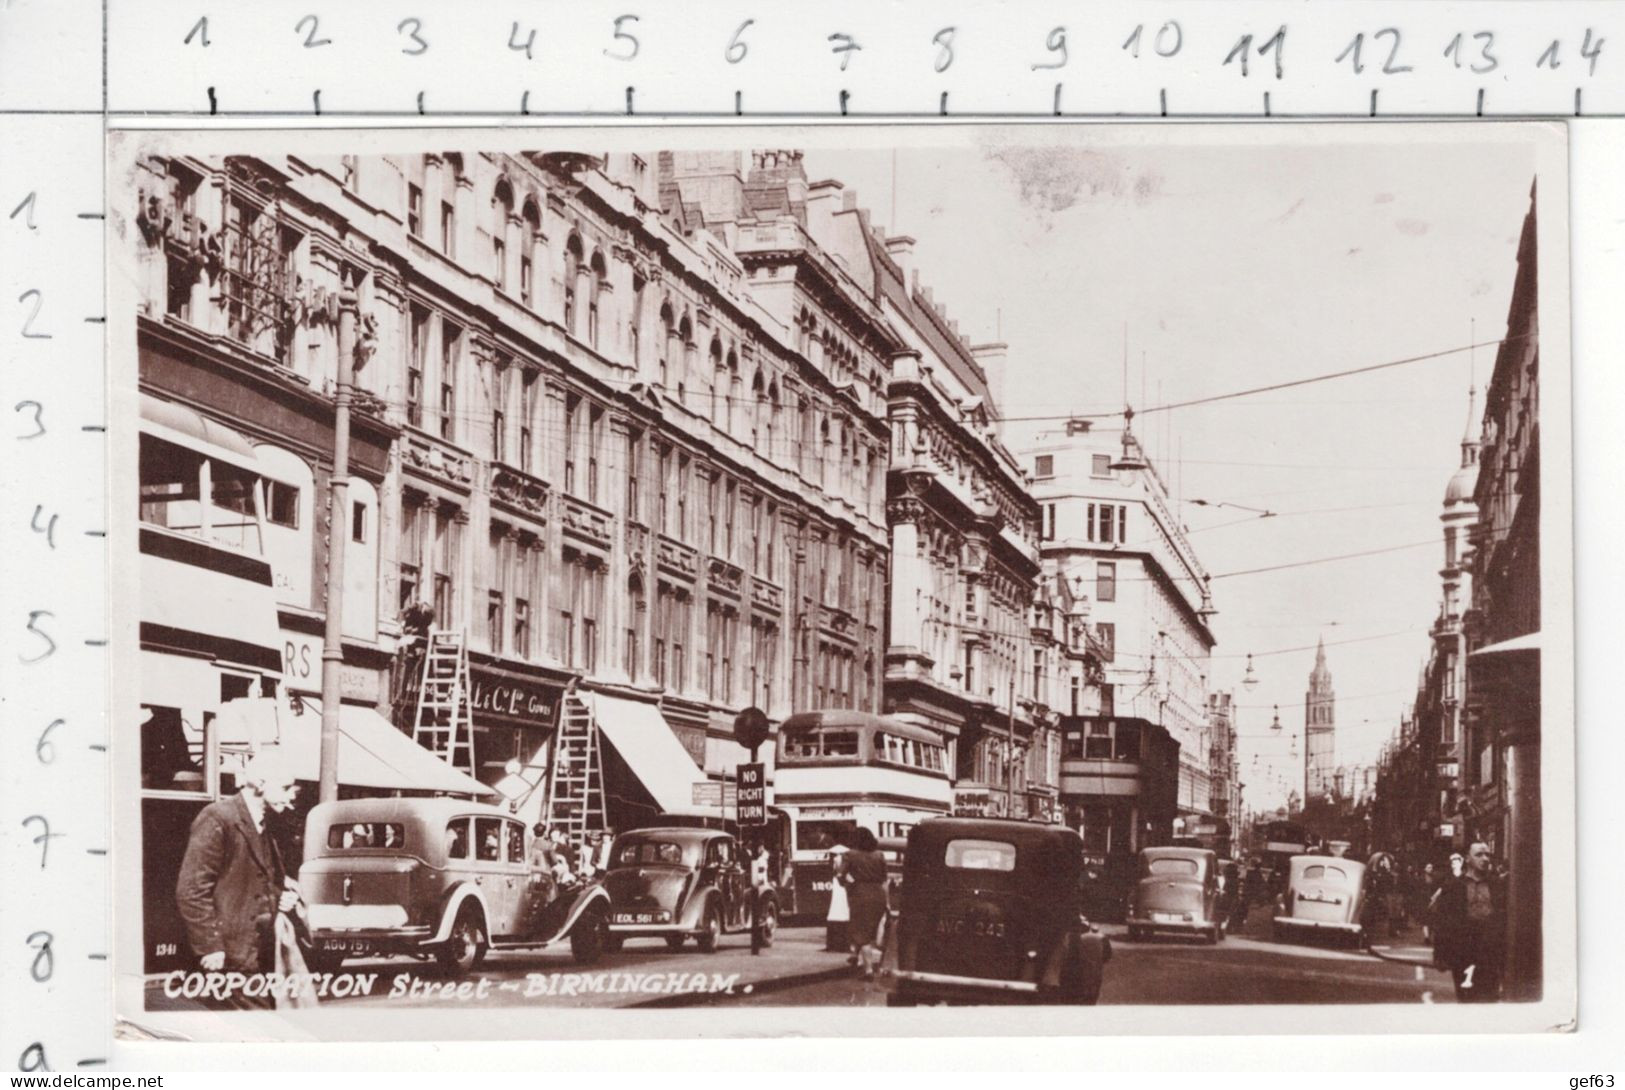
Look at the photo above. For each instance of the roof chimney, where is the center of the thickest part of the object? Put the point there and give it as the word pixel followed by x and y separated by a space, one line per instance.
pixel 822 199
pixel 901 250
pixel 996 365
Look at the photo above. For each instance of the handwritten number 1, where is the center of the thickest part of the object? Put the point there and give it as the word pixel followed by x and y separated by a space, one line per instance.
pixel 27 206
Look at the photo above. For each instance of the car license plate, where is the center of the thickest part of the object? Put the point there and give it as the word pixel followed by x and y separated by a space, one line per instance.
pixel 353 947
pixel 1167 917
pixel 642 917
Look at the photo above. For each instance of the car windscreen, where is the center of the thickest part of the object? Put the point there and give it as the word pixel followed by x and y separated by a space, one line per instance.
pixel 366 834
pixel 1172 868
pixel 821 836
pixel 635 853
pixel 994 855
pixel 1321 872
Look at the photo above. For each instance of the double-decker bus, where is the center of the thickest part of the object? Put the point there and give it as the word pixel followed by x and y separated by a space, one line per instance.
pixel 208 636
pixel 838 770
pixel 1276 842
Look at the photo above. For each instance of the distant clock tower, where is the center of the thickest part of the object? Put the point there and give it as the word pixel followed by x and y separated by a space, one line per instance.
pixel 1319 726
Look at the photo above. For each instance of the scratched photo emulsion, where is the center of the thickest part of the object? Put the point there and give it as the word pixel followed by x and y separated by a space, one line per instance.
pixel 583 581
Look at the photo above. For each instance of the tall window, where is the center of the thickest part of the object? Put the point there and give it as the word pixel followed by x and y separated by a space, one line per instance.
pixel 634 467
pixel 448 229
pixel 499 261
pixel 451 339
pixel 527 417
pixel 573 257
pixel 415 365
pixel 595 430
pixel 572 411
pixel 730 501
pixel 414 209
pixel 597 282
pixel 1106 636
pixel 499 414
pixel 413 520
pixel 1049 522
pixel 524 579
pixel 447 563
pixel 1108 523
pixel 713 489
pixel 683 476
pixel 1105 582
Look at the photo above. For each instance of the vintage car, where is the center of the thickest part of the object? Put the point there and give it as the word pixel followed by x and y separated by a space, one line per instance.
pixel 1324 894
pixel 1178 891
pixel 990 912
pixel 675 883
pixel 437 877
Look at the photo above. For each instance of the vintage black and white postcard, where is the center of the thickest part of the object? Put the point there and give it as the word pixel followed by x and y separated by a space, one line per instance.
pixel 626 581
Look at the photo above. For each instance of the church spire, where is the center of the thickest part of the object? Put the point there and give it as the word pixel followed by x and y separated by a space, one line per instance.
pixel 1469 442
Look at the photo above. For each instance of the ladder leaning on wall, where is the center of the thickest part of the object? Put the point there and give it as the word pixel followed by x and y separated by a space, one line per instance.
pixel 575 783
pixel 443 725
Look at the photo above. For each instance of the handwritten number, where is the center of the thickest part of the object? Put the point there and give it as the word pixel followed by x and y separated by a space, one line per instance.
pixel 1591 52
pixel 1273 45
pixel 45 837
pixel 311 41
pixel 736 47
pixel 50 648
pixel 1391 67
pixel 1170 40
pixel 49 529
pixel 1467 976
pixel 45 751
pixel 944 40
pixel 845 46
pixel 39 423
pixel 621 34
pixel 1487 61
pixel 527 45
pixel 33 1058
pixel 201 27
pixel 28 206
pixel 1056 43
pixel 419 45
pixel 28 322
pixel 44 960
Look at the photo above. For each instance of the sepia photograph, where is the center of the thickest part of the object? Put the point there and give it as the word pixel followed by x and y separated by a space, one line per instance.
pixel 1057 570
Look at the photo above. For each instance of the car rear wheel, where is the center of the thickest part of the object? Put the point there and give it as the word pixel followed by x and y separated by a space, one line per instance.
pixel 589 938
pixel 767 922
pixel 465 949
pixel 711 930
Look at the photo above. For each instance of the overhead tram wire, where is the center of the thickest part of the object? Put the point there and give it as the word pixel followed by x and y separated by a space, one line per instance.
pixel 1329 376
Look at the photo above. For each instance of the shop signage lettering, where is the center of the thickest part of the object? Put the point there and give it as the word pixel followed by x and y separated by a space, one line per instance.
pixel 510 700
pixel 302 669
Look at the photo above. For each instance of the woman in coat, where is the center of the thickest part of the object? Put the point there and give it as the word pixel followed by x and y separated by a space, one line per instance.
pixel 865 867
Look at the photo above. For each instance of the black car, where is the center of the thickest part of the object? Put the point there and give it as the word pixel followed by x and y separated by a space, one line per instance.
pixel 680 883
pixel 991 912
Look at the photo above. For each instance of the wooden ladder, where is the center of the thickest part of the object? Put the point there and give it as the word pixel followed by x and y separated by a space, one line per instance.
pixel 443 725
pixel 575 785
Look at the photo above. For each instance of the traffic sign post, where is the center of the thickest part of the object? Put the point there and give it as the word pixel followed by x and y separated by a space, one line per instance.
pixel 751 729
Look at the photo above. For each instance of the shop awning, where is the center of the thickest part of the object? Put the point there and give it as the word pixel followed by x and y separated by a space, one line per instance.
pixel 1530 641
pixel 645 742
pixel 372 753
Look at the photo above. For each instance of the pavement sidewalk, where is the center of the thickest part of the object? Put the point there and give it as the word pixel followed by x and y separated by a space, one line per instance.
pixel 1408 947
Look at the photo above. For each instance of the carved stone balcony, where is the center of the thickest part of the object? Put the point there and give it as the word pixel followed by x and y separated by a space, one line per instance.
pixel 766 596
pixel 519 491
pixel 436 459
pixel 585 521
pixel 677 559
pixel 725 578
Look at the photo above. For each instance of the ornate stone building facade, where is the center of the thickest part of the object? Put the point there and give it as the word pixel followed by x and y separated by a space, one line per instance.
pixel 618 442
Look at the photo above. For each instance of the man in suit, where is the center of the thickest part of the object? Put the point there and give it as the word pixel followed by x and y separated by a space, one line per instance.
pixel 1469 928
pixel 232 881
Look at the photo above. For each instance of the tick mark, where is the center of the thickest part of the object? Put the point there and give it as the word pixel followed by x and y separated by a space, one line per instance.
pixel 95 851
pixel 97 1062
pixel 98 321
pixel 214 105
pixel 1481 102
pixel 524 104
pixel 97 957
pixel 1373 102
pixel 95 533
pixel 629 91
pixel 844 96
pixel 92 215
pixel 942 106
pixel 93 427
pixel 1162 96
pixel 98 747
pixel 420 103
pixel 739 104
pixel 95 643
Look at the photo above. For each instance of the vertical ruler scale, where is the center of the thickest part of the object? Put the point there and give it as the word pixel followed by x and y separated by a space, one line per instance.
pixel 54 1010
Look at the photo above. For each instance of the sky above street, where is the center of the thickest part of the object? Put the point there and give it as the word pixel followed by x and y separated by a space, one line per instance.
pixel 1234 258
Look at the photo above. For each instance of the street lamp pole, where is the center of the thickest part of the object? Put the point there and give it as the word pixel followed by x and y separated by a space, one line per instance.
pixel 1010 752
pixel 337 533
